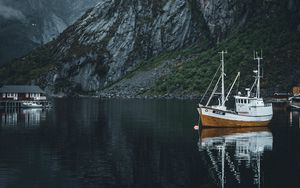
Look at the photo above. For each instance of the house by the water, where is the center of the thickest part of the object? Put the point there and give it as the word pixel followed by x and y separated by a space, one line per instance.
pixel 18 95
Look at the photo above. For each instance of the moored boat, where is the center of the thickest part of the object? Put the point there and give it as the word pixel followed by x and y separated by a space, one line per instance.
pixel 31 105
pixel 250 110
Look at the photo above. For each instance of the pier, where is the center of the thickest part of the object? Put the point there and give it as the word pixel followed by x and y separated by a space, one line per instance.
pixel 23 96
pixel 18 104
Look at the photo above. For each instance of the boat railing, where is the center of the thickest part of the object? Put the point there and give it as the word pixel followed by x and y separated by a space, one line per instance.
pixel 265 105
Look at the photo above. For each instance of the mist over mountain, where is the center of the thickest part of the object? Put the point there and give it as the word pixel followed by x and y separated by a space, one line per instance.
pixel 168 47
pixel 26 24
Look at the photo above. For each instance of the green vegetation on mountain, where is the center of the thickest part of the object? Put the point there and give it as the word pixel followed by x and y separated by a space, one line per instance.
pixel 28 68
pixel 276 35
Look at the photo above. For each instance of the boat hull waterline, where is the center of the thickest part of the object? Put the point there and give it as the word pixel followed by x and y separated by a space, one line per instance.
pixel 217 118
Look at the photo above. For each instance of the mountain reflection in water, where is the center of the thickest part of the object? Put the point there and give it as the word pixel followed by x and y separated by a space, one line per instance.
pixel 142 143
pixel 234 156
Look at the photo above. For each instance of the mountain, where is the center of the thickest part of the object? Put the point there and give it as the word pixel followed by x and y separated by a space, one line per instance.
pixel 26 24
pixel 135 48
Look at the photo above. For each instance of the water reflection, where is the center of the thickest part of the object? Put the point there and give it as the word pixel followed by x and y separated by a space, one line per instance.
pixel 294 117
pixel 102 143
pixel 234 156
pixel 27 118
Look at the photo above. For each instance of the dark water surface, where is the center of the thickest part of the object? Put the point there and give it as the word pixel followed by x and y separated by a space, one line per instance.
pixel 142 143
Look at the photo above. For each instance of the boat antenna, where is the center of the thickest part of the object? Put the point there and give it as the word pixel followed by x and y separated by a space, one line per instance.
pixel 258 58
pixel 222 75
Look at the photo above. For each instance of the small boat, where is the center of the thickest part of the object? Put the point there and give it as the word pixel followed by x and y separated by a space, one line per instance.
pixel 31 105
pixel 250 110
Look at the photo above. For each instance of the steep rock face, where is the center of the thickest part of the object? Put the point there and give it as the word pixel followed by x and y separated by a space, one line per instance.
pixel 116 36
pixel 221 15
pixel 29 23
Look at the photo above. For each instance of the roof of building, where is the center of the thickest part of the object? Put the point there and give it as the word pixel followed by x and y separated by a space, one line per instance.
pixel 21 89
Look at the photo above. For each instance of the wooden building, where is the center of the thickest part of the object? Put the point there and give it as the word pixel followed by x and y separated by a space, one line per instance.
pixel 22 93
pixel 296 90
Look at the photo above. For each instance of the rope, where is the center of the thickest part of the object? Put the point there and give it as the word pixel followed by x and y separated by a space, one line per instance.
pixel 210 84
pixel 215 89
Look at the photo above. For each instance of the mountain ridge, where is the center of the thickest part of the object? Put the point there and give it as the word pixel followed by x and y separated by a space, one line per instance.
pixel 28 24
pixel 105 46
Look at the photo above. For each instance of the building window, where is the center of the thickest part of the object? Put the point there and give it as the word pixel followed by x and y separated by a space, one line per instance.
pixel 3 95
pixel 27 95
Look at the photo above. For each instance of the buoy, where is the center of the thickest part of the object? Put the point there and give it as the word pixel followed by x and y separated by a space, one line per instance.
pixel 196 127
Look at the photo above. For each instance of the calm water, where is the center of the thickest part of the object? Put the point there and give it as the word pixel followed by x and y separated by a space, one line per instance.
pixel 142 143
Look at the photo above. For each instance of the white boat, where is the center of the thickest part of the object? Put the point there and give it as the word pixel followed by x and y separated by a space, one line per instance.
pixel 250 110
pixel 31 105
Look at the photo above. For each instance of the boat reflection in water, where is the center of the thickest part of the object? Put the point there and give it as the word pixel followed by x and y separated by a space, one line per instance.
pixel 234 156
pixel 27 118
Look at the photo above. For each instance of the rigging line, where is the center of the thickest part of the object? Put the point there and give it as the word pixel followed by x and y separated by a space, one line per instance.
pixel 215 89
pixel 210 84
pixel 253 85
pixel 237 77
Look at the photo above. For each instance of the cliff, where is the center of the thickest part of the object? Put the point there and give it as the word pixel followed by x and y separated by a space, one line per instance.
pixel 27 24
pixel 169 47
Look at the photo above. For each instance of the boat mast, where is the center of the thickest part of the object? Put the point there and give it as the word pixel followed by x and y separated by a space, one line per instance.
pixel 256 57
pixel 222 75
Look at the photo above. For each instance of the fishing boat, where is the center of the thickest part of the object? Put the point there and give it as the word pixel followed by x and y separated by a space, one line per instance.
pixel 250 110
